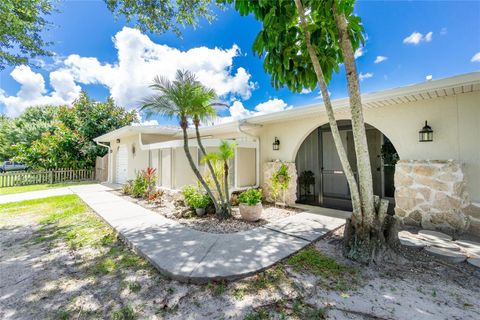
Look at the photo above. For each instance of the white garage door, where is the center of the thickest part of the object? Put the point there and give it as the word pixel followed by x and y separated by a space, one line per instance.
pixel 122 164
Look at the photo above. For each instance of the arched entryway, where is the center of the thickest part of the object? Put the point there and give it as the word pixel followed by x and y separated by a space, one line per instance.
pixel 321 179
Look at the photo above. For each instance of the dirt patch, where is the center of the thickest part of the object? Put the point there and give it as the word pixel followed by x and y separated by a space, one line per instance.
pixel 209 223
pixel 47 277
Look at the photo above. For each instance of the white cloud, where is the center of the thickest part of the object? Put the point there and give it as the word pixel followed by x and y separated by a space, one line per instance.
pixel 379 59
pixel 33 92
pixel 428 36
pixel 238 110
pixel 272 105
pixel 305 91
pixel 363 76
pixel 476 57
pixel 359 52
pixel 140 60
pixel 416 37
pixel 443 31
pixel 128 79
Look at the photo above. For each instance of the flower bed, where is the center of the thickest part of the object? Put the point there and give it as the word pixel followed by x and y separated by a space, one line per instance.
pixel 171 206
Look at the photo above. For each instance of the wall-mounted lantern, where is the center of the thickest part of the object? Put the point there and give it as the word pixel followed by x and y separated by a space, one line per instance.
pixel 276 144
pixel 118 140
pixel 426 134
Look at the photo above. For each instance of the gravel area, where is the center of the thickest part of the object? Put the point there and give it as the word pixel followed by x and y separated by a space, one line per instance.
pixel 172 207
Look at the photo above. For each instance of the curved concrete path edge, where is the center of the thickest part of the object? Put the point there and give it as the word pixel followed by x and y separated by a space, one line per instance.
pixel 188 255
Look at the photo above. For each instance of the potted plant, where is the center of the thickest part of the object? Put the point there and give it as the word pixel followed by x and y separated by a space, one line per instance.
pixel 251 204
pixel 200 202
pixel 195 199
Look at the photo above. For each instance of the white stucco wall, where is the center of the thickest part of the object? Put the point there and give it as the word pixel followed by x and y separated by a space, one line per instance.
pixel 455 121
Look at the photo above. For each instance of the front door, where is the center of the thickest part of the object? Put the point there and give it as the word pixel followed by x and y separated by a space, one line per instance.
pixel 121 164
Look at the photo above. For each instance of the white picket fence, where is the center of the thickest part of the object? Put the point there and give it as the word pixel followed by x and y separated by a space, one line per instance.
pixel 16 178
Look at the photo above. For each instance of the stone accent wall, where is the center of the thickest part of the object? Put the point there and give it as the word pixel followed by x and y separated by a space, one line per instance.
pixel 269 168
pixel 432 194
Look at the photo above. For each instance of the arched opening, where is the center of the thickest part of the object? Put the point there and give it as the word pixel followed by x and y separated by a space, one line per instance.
pixel 321 179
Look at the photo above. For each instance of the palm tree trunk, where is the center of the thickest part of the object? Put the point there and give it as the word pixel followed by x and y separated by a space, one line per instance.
pixel 342 154
pixel 209 165
pixel 225 181
pixel 358 123
pixel 365 240
pixel 183 125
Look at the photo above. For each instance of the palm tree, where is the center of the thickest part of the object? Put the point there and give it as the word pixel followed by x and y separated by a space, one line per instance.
pixel 226 152
pixel 224 155
pixel 204 109
pixel 176 99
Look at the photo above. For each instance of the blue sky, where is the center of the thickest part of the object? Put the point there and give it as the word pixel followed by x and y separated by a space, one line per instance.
pixel 444 38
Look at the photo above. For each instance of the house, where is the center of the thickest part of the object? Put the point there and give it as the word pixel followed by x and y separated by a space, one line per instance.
pixel 436 184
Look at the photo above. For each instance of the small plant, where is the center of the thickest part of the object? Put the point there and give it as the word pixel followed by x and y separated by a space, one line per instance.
pixel 143 183
pixel 139 185
pixel 250 197
pixel 134 286
pixel 154 196
pixel 127 187
pixel 125 313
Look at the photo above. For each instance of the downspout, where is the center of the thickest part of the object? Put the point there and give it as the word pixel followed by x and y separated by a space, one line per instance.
pixel 109 180
pixel 257 153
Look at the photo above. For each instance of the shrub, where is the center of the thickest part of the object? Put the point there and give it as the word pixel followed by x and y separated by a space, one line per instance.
pixel 139 185
pixel 143 183
pixel 200 201
pixel 250 197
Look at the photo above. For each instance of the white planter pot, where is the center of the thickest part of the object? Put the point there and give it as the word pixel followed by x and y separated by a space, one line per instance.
pixel 200 211
pixel 251 213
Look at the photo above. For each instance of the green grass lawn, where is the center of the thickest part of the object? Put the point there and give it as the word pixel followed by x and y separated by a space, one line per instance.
pixel 36 187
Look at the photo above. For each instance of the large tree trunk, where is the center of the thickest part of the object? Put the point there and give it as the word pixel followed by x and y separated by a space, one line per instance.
pixel 209 165
pixel 365 240
pixel 183 125
pixel 342 154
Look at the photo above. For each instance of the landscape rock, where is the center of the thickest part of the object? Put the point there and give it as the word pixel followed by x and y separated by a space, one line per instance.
pixel 411 240
pixel 446 254
pixel 434 235
pixel 471 247
pixel 474 262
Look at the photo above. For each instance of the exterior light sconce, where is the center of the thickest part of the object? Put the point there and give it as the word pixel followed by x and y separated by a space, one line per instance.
pixel 276 144
pixel 118 140
pixel 426 134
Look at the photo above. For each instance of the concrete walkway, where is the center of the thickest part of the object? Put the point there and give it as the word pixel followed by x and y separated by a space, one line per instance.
pixel 194 256
pixel 31 195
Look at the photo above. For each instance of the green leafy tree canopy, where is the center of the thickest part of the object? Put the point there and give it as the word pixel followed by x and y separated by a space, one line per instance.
pixel 21 24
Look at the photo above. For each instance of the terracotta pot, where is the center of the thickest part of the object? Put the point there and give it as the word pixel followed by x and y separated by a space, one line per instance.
pixel 251 213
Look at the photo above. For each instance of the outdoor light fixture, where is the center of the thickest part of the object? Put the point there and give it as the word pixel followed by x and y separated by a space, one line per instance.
pixel 426 134
pixel 276 144
pixel 118 140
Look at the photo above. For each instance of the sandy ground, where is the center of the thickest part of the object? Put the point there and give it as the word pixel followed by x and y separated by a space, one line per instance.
pixel 48 280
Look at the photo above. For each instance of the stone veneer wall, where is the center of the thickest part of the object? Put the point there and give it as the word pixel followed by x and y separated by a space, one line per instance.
pixel 269 168
pixel 432 194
